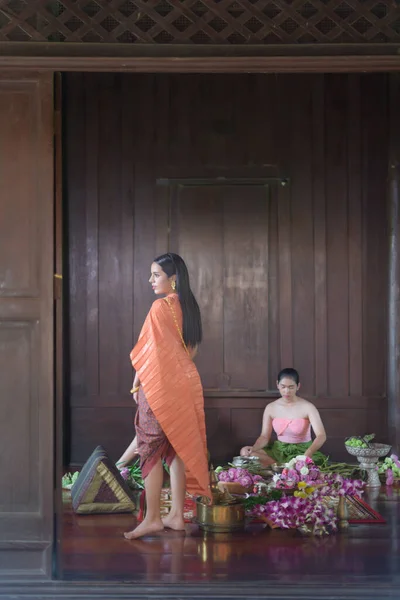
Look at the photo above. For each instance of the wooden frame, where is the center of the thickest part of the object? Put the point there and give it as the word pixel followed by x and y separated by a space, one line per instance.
pixel 74 57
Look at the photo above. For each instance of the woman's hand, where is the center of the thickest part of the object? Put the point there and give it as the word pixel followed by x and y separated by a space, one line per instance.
pixel 246 451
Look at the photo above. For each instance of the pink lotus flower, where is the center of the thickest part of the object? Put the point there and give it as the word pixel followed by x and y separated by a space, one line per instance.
pixel 396 460
pixel 232 474
pixel 245 481
pixel 389 477
pixel 124 473
pixel 292 474
pixel 313 474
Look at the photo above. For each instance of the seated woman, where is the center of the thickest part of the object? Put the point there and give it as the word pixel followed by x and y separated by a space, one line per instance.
pixel 291 418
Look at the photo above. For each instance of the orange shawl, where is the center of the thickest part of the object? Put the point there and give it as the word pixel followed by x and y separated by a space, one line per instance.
pixel 173 389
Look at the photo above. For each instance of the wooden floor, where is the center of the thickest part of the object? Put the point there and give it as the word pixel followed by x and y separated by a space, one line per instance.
pixel 93 548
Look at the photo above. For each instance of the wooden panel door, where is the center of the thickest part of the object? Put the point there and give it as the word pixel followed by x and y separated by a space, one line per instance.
pixel 223 231
pixel 26 324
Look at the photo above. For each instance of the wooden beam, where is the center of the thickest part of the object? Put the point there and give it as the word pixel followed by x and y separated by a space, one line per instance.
pixel 324 589
pixel 112 50
pixel 201 59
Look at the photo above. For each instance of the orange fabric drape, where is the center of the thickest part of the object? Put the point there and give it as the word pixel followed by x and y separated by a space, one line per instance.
pixel 173 389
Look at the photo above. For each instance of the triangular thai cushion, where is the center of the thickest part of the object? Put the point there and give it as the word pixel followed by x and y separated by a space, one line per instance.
pixel 100 487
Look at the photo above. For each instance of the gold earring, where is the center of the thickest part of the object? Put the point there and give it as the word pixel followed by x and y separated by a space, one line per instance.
pixel 173 285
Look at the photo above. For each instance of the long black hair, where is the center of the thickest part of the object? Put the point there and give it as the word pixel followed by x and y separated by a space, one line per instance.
pixel 290 374
pixel 173 264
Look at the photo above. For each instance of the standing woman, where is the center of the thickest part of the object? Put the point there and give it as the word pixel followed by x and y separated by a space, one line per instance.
pixel 170 423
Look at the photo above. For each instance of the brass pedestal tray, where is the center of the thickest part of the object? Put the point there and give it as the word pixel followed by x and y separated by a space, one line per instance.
pixel 368 459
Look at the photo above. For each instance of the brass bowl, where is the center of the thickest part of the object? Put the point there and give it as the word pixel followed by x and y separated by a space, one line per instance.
pixel 220 518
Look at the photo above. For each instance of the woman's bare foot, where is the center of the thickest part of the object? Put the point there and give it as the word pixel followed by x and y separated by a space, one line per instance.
pixel 174 522
pixel 145 528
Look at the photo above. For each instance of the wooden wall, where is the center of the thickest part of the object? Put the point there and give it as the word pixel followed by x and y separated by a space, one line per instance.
pixel 286 275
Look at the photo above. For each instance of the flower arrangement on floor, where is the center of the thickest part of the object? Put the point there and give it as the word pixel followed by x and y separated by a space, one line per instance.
pixel 390 469
pixel 302 470
pixel 307 502
pixel 69 479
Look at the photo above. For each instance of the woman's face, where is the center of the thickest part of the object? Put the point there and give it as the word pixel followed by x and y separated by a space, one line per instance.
pixel 160 282
pixel 287 388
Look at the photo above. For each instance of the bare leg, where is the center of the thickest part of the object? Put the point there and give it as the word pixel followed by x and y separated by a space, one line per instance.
pixel 152 522
pixel 128 455
pixel 175 520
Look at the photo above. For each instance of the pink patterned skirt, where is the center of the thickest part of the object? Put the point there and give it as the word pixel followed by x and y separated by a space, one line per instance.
pixel 153 444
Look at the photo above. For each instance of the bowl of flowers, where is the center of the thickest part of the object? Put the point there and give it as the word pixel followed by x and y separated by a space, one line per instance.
pixel 389 470
pixel 368 455
pixel 237 480
pixel 251 464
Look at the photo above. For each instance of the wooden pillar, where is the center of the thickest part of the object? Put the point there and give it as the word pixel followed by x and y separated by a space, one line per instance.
pixel 26 325
pixel 393 358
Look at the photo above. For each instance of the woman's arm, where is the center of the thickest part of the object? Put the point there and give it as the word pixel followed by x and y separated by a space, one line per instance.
pixel 135 388
pixel 319 430
pixel 266 431
pixel 129 454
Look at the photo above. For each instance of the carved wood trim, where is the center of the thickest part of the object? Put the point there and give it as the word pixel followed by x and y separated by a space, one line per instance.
pixel 227 22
